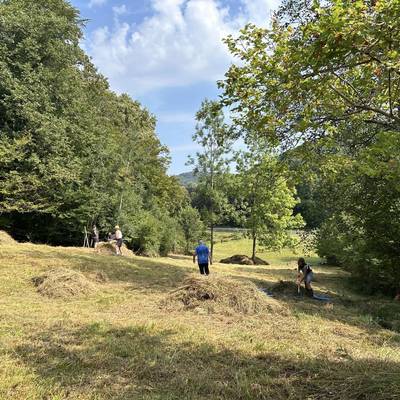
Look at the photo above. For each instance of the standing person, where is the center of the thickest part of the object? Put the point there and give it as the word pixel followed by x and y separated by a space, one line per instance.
pixel 95 236
pixel 203 258
pixel 118 238
pixel 305 273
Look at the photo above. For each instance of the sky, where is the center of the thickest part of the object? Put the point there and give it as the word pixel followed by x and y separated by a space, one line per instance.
pixel 168 54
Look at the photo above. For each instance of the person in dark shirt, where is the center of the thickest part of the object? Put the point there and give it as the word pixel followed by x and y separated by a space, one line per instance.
pixel 305 274
pixel 203 258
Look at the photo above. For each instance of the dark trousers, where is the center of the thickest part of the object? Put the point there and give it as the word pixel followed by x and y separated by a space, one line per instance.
pixel 204 269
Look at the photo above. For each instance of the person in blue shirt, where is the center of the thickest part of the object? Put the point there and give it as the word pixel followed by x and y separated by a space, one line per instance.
pixel 203 258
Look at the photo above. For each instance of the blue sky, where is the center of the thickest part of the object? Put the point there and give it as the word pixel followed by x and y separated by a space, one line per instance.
pixel 168 54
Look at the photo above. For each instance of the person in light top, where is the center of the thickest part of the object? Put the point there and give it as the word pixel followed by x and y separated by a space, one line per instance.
pixel 118 238
pixel 95 236
pixel 203 258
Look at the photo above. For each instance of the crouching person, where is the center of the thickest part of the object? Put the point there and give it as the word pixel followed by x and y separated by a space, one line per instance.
pixel 305 274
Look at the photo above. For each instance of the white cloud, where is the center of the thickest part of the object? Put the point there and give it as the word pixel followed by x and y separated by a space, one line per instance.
pixel 95 3
pixel 179 45
pixel 260 11
pixel 120 10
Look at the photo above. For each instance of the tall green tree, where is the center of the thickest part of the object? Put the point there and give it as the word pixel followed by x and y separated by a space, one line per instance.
pixel 268 200
pixel 192 227
pixel 211 163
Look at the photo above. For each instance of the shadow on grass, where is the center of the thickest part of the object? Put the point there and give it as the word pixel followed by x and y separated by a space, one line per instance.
pixel 183 257
pixel 104 362
pixel 139 272
pixel 367 313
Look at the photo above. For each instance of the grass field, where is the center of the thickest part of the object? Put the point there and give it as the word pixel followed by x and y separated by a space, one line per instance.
pixel 119 343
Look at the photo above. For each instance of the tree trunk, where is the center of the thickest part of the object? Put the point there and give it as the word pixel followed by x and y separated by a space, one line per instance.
pixel 212 242
pixel 187 247
pixel 253 256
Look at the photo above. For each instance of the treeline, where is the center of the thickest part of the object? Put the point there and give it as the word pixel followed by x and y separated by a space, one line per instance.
pixel 72 152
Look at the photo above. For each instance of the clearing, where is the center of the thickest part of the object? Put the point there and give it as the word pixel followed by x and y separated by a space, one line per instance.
pixel 106 333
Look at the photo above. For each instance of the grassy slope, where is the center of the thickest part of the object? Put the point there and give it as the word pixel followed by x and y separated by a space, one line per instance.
pixel 119 344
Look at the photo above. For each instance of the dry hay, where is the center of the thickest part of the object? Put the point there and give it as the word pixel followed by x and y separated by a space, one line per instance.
pixel 243 260
pixel 5 238
pixel 110 248
pixel 63 283
pixel 216 294
pixel 101 277
pixel 105 248
pixel 285 288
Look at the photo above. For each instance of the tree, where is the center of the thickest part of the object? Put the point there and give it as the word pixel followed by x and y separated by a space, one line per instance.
pixel 192 227
pixel 211 164
pixel 267 200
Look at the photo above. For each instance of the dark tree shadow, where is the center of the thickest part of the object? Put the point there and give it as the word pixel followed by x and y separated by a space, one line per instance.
pixel 368 313
pixel 100 362
pixel 180 257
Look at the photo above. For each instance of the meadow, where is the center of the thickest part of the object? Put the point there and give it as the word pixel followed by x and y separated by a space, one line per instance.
pixel 118 342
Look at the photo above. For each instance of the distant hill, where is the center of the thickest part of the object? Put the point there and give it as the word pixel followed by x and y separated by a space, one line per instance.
pixel 187 178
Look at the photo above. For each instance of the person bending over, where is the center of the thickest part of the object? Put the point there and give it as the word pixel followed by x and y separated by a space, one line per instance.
pixel 203 258
pixel 305 274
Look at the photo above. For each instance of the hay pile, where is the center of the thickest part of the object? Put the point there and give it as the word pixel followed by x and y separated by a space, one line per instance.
pixel 220 295
pixel 243 260
pixel 63 283
pixel 109 248
pixel 285 288
pixel 5 238
pixel 105 248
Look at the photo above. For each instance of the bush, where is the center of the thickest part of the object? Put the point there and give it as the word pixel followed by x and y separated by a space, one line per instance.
pixel 157 234
pixel 147 238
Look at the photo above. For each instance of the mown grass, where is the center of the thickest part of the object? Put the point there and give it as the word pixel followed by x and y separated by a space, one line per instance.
pixel 119 343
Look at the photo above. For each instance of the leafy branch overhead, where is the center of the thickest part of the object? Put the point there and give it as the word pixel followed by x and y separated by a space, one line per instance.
pixel 320 66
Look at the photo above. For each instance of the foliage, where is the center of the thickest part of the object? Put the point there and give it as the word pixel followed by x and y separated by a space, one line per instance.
pixel 363 230
pixel 267 200
pixel 192 227
pixel 72 153
pixel 321 66
pixel 311 204
pixel 211 164
pixel 157 233
pixel 323 80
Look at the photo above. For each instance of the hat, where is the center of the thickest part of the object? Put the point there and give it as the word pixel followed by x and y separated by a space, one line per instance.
pixel 116 227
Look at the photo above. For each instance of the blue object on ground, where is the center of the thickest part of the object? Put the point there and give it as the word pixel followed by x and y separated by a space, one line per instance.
pixel 321 297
